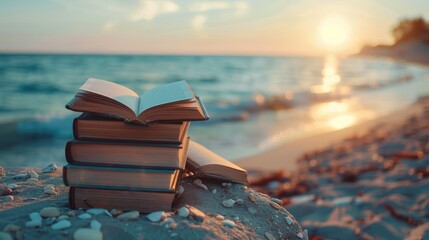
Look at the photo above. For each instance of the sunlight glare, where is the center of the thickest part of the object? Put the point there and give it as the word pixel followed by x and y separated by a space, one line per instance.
pixel 334 32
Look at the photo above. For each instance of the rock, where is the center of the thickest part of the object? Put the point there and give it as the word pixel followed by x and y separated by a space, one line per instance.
pixel 252 210
pixel 300 235
pixel 5 191
pixel 22 176
pixel 50 168
pixel 251 198
pixel 229 203
pixel 96 211
pixel 50 189
pixel 11 228
pixel 85 216
pixel 96 225
pixel 129 215
pixel 50 212
pixel 195 213
pixel 32 224
pixel 71 213
pixel 269 236
pixel 228 223
pixel 5 236
pixel 289 220
pixel 62 217
pixel 156 216
pixel 214 191
pixel 200 184
pixel 8 198
pixel 172 225
pixel 35 216
pixel 219 217
pixel 183 212
pixel 50 221
pixel 180 190
pixel 12 186
pixel 63 224
pixel 278 201
pixel 226 185
pixel 116 212
pixel 32 180
pixel 33 174
pixel 87 234
pixel 239 201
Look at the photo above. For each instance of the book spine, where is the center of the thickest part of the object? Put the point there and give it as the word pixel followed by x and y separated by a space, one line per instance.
pixel 76 128
pixel 72 201
pixel 65 176
pixel 68 155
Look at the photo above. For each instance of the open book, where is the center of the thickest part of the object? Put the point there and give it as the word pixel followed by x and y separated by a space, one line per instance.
pixel 171 102
pixel 205 163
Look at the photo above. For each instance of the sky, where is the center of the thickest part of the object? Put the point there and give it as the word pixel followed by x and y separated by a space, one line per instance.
pixel 234 27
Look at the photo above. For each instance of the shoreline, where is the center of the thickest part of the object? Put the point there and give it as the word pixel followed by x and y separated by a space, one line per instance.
pixel 274 159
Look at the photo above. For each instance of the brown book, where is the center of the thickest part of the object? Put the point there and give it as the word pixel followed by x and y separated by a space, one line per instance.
pixel 127 154
pixel 142 201
pixel 94 127
pixel 121 178
pixel 206 164
pixel 170 102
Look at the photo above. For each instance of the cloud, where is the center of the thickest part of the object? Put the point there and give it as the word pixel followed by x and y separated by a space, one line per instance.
pixel 198 22
pixel 240 7
pixel 108 26
pixel 149 9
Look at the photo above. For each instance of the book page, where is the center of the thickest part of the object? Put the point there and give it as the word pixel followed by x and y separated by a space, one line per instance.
pixel 112 90
pixel 203 156
pixel 172 92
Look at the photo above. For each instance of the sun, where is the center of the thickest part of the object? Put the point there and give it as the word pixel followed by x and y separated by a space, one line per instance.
pixel 334 32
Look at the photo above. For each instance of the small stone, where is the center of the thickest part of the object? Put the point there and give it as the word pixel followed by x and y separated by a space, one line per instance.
pixel 96 211
pixel 252 210
pixel 184 212
pixel 2 172
pixel 116 212
pixel 50 189
pixel 50 168
pixel 229 203
pixel 62 217
pixel 11 228
pixel 300 235
pixel 50 212
pixel 129 215
pixel 251 198
pixel 87 234
pixel 239 201
pixel 63 224
pixel 200 184
pixel 33 224
pixel 5 236
pixel 226 185
pixel 35 216
pixel 180 190
pixel 167 221
pixel 219 217
pixel 71 213
pixel 85 216
pixel 214 191
pixel 305 234
pixel 156 216
pixel 50 221
pixel 8 198
pixel 21 176
pixel 269 236
pixel 278 201
pixel 33 174
pixel 5 191
pixel 196 213
pixel 12 186
pixel 289 220
pixel 228 223
pixel 96 225
pixel 172 225
pixel 32 180
pixel 244 187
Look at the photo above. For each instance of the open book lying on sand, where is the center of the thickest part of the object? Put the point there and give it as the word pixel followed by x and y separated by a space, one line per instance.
pixel 171 102
pixel 205 163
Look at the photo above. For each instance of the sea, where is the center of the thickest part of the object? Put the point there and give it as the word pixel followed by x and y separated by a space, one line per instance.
pixel 255 102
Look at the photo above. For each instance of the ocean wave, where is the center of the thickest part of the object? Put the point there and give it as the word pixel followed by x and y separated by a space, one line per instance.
pixel 39 88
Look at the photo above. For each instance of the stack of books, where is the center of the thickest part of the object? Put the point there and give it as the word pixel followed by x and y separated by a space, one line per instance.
pixel 129 151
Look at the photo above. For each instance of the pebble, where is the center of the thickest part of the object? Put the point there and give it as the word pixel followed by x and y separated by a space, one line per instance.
pixel 8 198
pixel 5 191
pixel 11 228
pixel 269 236
pixel 50 168
pixel 32 180
pixel 50 189
pixel 184 212
pixel 5 236
pixel 2 172
pixel 220 217
pixel 214 191
pixel 62 217
pixel 50 221
pixel 129 215
pixel 239 201
pixel 33 174
pixel 32 224
pixel 85 216
pixel 196 213
pixel 96 225
pixel 35 216
pixel 63 224
pixel 156 216
pixel 228 223
pixel 251 198
pixel 300 235
pixel 226 185
pixel 172 225
pixel 50 212
pixel 116 212
pixel 71 213
pixel 180 190
pixel 252 210
pixel 96 211
pixel 289 220
pixel 12 186
pixel 278 201
pixel 200 184
pixel 21 176
pixel 229 203
pixel 87 234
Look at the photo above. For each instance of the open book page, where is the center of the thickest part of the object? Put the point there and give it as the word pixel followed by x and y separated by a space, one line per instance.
pixel 203 156
pixel 113 91
pixel 173 92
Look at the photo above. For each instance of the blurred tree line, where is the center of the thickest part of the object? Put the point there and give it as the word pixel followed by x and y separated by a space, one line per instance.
pixel 409 29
